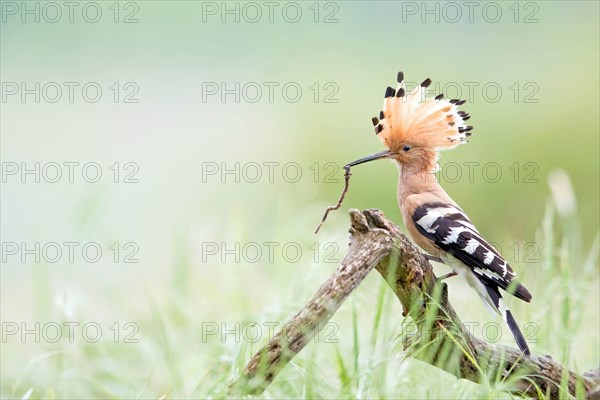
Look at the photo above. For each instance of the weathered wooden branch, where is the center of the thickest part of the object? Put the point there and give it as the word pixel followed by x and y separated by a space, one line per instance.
pixel 441 340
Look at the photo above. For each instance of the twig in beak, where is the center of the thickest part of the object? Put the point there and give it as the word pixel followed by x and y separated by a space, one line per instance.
pixel 347 176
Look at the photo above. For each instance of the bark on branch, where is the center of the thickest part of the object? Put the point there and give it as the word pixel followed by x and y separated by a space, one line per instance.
pixel 442 339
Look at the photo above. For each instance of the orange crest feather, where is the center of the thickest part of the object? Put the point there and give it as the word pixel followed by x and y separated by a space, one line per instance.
pixel 411 118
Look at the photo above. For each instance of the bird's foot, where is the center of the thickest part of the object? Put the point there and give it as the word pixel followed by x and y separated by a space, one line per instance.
pixel 448 275
pixel 433 258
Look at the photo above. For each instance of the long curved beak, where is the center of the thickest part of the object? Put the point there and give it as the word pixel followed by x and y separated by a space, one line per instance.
pixel 377 156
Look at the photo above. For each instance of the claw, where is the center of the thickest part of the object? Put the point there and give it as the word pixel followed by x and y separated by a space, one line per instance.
pixel 433 258
pixel 448 275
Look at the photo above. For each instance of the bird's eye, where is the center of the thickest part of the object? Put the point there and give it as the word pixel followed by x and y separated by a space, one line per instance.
pixel 406 147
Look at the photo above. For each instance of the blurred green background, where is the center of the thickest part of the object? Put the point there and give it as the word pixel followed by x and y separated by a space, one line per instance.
pixel 186 95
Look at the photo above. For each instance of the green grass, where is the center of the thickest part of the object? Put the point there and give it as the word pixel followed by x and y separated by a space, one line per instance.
pixel 172 359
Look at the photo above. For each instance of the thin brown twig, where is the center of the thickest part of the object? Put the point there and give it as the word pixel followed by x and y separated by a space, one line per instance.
pixel 347 176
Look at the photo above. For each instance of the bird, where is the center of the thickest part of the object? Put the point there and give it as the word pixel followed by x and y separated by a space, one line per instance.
pixel 415 128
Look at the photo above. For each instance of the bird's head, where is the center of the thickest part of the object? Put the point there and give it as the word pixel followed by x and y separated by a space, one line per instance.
pixel 415 128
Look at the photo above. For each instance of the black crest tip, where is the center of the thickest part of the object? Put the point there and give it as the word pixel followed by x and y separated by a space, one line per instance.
pixel 390 92
pixel 401 92
pixel 426 83
pixel 400 76
pixel 439 96
pixel 375 120
pixel 381 116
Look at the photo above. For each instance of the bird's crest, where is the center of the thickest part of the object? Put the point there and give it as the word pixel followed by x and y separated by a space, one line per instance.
pixel 434 123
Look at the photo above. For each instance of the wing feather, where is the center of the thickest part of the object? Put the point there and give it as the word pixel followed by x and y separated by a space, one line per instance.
pixel 451 230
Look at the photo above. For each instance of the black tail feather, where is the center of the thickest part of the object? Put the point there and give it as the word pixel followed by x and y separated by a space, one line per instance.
pixel 496 298
pixel 514 328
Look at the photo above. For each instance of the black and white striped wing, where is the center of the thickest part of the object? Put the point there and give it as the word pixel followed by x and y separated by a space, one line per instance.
pixel 452 231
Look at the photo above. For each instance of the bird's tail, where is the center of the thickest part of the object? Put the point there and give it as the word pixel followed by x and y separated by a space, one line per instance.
pixel 500 306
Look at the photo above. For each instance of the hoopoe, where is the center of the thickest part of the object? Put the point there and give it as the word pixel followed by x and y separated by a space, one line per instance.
pixel 415 129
